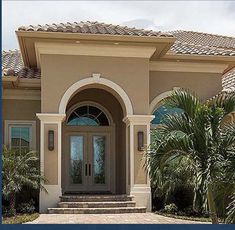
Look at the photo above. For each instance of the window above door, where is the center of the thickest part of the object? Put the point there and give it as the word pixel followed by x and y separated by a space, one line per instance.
pixel 87 115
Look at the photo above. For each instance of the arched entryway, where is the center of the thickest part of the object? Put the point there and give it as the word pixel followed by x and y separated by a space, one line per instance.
pixel 127 172
pixel 93 146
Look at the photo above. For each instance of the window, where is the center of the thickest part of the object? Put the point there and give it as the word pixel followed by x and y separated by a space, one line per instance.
pixel 20 135
pixel 87 116
pixel 161 111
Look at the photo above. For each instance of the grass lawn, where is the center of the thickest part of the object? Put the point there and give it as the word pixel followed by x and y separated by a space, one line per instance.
pixel 201 219
pixel 20 218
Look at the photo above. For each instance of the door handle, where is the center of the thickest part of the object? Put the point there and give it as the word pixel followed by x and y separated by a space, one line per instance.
pixel 89 169
pixel 85 169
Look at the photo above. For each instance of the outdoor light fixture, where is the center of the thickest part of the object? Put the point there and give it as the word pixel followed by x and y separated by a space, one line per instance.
pixel 51 140
pixel 140 140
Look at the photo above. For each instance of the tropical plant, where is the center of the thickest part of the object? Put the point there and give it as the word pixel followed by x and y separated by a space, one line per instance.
pixel 199 135
pixel 19 168
pixel 175 176
pixel 231 211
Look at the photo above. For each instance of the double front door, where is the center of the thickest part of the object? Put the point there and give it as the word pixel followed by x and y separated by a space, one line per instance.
pixel 88 164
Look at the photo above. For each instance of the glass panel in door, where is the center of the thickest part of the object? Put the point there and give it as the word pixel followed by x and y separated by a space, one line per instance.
pixel 99 159
pixel 76 159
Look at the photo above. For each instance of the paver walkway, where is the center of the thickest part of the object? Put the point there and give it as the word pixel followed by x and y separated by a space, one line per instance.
pixel 130 218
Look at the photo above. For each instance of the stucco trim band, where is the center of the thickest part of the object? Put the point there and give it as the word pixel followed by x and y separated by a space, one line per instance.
pixel 93 50
pixel 181 66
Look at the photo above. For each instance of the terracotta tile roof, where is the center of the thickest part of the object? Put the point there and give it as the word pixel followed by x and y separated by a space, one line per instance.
pixel 189 42
pixel 204 39
pixel 12 65
pixel 185 48
pixel 93 28
pixel 228 81
pixel 12 60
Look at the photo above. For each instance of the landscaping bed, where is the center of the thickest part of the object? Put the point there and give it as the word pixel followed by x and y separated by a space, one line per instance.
pixel 192 218
pixel 19 218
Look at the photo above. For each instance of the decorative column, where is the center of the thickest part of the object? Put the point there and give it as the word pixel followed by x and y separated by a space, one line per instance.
pixel 137 180
pixel 50 159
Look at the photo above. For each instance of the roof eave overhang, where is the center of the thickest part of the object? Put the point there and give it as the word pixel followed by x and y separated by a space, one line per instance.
pixel 10 80
pixel 229 60
pixel 95 37
pixel 164 42
pixel 17 82
pixel 218 58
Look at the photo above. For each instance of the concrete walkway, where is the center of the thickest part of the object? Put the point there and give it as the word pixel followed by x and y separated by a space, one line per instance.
pixel 129 218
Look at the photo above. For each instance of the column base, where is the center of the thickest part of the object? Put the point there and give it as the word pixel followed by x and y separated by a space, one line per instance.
pixel 142 196
pixel 50 198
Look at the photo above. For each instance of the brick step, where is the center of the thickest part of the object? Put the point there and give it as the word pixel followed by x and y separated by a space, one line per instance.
pixel 96 210
pixel 95 198
pixel 106 204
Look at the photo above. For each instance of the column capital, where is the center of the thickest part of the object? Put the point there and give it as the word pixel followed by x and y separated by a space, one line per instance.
pixel 138 119
pixel 51 117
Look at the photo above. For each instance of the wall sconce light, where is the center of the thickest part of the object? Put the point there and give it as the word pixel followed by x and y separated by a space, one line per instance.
pixel 51 140
pixel 140 140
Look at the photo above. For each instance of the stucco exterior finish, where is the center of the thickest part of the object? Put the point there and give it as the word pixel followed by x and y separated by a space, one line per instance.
pixel 18 110
pixel 140 174
pixel 160 82
pixel 131 74
pixel 51 157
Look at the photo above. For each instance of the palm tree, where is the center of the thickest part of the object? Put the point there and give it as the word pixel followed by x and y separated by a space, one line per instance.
pixel 200 135
pixel 19 168
pixel 231 211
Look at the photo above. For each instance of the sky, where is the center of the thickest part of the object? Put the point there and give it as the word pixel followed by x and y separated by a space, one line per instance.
pixel 217 17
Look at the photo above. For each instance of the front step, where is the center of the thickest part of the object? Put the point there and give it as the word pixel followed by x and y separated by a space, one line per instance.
pixel 96 210
pixel 95 198
pixel 96 204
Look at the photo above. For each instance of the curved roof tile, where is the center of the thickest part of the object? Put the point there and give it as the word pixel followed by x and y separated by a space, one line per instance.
pixel 89 27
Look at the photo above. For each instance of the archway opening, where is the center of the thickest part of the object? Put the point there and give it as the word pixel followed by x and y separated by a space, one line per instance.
pixel 94 143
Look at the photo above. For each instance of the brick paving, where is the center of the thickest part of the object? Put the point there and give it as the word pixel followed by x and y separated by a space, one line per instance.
pixel 130 218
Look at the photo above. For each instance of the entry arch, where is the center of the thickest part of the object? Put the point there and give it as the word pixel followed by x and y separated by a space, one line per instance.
pixel 114 88
pixel 159 98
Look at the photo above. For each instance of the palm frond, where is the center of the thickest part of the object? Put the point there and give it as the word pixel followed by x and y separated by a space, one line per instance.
pixel 184 100
pixel 225 101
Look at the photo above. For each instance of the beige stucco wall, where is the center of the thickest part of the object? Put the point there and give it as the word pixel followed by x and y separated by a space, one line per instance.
pixel 22 110
pixel 140 174
pixel 205 85
pixel 59 72
pixel 51 157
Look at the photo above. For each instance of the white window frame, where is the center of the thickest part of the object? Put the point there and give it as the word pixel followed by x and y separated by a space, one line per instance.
pixel 21 123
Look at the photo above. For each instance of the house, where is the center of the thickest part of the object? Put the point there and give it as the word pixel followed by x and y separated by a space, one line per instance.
pixel 85 94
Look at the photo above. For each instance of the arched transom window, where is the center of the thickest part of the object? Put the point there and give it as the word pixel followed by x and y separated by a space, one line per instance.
pixel 161 111
pixel 87 115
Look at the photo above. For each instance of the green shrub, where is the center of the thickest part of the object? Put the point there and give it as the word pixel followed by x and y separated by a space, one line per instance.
pixel 182 196
pixel 27 207
pixel 6 211
pixel 170 208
